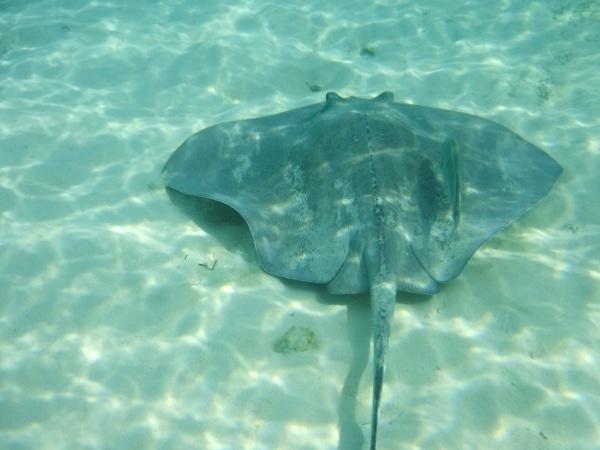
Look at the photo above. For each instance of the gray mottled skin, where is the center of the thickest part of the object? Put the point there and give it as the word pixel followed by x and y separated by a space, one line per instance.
pixel 354 194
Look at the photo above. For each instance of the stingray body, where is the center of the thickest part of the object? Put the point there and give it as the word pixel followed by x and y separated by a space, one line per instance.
pixel 366 195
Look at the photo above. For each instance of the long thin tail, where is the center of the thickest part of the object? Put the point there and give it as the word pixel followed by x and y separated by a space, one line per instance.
pixel 383 299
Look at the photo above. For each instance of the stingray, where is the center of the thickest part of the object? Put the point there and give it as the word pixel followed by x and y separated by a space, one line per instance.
pixel 366 195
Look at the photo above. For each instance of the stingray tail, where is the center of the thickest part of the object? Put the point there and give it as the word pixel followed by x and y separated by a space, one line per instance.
pixel 383 299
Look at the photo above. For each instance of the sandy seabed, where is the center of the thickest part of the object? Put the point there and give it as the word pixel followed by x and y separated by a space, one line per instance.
pixel 114 332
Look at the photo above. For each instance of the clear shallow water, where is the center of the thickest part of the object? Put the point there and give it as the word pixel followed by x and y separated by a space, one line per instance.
pixel 113 336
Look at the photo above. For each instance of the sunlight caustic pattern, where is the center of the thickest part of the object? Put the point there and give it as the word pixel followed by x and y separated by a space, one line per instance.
pixel 114 335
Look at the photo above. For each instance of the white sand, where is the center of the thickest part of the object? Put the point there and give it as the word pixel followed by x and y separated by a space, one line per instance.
pixel 112 335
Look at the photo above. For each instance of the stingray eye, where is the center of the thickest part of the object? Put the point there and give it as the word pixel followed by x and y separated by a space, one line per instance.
pixel 386 97
pixel 332 97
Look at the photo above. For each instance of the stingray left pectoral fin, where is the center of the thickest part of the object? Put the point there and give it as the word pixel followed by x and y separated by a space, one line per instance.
pixel 451 171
